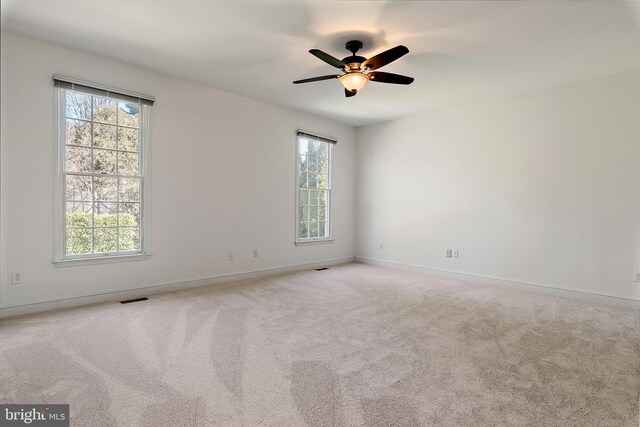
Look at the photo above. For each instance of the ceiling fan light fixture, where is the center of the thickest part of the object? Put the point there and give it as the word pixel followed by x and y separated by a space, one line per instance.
pixel 354 81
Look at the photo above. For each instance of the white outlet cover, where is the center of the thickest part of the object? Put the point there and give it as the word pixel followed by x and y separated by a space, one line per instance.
pixel 16 278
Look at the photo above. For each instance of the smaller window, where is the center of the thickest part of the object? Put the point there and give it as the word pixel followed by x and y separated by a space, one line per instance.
pixel 313 179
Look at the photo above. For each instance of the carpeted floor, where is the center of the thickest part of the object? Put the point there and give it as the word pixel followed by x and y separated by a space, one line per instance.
pixel 353 345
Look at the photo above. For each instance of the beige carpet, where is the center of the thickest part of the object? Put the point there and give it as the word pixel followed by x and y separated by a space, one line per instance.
pixel 353 345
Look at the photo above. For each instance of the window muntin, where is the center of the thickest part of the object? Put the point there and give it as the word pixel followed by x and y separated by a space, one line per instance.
pixel 313 222
pixel 102 175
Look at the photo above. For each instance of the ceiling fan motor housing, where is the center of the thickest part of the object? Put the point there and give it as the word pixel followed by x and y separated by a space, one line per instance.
pixel 353 62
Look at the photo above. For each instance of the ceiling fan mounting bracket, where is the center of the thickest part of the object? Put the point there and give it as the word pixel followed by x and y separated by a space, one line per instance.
pixel 353 46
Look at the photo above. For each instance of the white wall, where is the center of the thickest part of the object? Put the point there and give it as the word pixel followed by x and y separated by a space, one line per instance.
pixel 542 188
pixel 222 176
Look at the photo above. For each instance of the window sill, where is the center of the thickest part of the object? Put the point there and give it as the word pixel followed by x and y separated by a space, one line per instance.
pixel 313 242
pixel 99 260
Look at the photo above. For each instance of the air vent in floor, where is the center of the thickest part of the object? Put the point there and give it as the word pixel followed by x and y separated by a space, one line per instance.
pixel 127 301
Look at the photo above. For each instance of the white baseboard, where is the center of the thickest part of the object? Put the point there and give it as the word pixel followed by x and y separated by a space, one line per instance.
pixel 572 293
pixel 121 294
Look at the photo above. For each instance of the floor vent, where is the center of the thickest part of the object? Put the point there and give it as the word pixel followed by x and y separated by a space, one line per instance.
pixel 321 269
pixel 127 301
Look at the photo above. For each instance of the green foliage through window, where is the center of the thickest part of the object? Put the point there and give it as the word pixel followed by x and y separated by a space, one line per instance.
pixel 112 238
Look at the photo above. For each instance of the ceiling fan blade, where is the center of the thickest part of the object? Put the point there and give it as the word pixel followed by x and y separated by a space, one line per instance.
pixel 382 77
pixel 349 93
pixel 316 79
pixel 384 58
pixel 327 58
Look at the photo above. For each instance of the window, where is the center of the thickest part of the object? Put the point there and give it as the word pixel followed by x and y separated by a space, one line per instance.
pixel 313 219
pixel 101 172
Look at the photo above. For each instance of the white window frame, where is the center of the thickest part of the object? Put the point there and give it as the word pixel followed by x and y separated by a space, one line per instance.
pixel 314 240
pixel 59 257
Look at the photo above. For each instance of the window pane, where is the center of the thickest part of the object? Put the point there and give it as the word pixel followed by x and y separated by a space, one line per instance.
pixel 129 214
pixel 303 180
pixel 304 197
pixel 129 239
pixel 303 146
pixel 78 132
pixel 128 114
pixel 105 239
pixel 322 213
pixel 323 164
pixel 105 214
pixel 128 139
pixel 104 110
pixel 104 136
pixel 78 187
pixel 302 163
pixel 104 161
pixel 322 198
pixel 322 229
pixel 313 229
pixel 313 213
pixel 312 180
pixel 303 230
pixel 106 189
pixel 78 241
pixel 312 164
pixel 322 181
pixel 77 159
pixel 128 164
pixel 78 105
pixel 313 148
pixel 313 198
pixel 323 149
pixel 79 214
pixel 304 213
pixel 130 189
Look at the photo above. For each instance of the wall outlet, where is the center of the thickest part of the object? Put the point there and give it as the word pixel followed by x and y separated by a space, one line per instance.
pixel 255 253
pixel 449 253
pixel 230 256
pixel 16 278
pixel 456 254
pixel 381 245
pixel 637 278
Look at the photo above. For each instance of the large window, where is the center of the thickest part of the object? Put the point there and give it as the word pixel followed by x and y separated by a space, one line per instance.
pixel 313 222
pixel 101 172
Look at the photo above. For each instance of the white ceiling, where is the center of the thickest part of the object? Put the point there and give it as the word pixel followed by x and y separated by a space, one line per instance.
pixel 460 51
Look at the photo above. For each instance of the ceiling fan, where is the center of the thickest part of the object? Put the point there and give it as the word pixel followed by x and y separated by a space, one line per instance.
pixel 359 70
